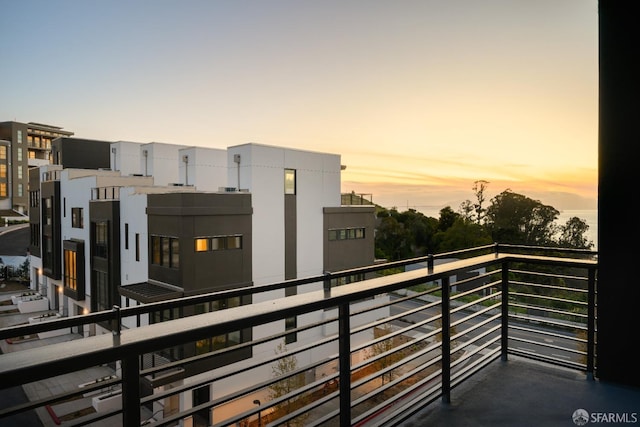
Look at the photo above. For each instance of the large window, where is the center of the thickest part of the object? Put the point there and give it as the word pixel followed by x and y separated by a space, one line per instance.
pixel 102 298
pixel 289 181
pixel 165 251
pixel 101 239
pixel 70 269
pixel 73 269
pixel 47 212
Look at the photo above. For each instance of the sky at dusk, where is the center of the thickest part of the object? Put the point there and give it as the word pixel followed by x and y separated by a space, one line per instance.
pixel 420 98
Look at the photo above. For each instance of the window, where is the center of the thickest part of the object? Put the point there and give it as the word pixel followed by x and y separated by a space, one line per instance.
pixel 77 220
pixel 3 170
pixel 34 198
pixel 202 245
pixel 20 190
pixel 346 233
pixel 19 172
pixel 126 235
pixel 101 239
pixel 289 181
pixel 70 270
pixel 3 189
pixel 165 251
pixel 290 323
pixel 218 243
pixel 137 246
pixel 35 234
pixel 218 342
pixel 19 136
pixel 19 154
pixel 102 299
pixel 3 152
pixel 47 212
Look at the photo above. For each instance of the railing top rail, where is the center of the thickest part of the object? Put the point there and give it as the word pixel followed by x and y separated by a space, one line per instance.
pixel 37 363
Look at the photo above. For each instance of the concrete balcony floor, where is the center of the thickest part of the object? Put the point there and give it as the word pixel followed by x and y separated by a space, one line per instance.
pixel 524 392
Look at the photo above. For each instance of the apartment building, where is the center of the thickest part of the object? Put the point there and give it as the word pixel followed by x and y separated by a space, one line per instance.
pixel 167 221
pixel 23 146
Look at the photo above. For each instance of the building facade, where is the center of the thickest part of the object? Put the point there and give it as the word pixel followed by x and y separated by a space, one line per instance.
pixel 23 146
pixel 166 221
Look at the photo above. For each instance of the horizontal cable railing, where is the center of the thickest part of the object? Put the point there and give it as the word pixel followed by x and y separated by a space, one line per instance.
pixel 370 352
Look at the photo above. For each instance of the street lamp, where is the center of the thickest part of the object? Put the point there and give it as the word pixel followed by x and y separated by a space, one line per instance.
pixel 257 402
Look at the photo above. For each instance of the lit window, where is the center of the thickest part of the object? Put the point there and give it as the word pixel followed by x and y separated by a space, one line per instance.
pixel 3 152
pixel 202 245
pixel 3 170
pixel 289 181
pixel 70 270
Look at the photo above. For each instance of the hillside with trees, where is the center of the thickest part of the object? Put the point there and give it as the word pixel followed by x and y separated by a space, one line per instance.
pixel 508 217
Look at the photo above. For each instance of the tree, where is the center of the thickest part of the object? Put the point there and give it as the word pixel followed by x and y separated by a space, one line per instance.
pixel 382 347
pixel 479 188
pixel 517 219
pixel 284 366
pixel 572 234
pixel 447 218
pixel 461 235
pixel 392 238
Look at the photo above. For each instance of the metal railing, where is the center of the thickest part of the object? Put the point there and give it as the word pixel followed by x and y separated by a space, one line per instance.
pixel 369 352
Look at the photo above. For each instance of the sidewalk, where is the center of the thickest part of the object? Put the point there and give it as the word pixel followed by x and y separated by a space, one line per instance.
pixel 60 412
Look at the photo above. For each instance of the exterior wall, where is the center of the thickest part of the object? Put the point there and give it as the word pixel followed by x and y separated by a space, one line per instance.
pixel 126 157
pixel 134 221
pixel 203 168
pixel 161 162
pixel 342 254
pixel 317 185
pixel 187 216
pixel 81 153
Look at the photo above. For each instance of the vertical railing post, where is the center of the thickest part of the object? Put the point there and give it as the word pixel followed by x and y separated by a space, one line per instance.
pixel 430 263
pixel 591 323
pixel 344 360
pixel 116 325
pixel 504 339
pixel 326 285
pixel 446 341
pixel 130 391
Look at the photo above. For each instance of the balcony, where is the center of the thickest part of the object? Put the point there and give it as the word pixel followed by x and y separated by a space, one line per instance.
pixel 517 343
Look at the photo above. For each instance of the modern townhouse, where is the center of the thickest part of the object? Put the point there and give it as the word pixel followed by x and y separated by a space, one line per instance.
pixel 165 221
